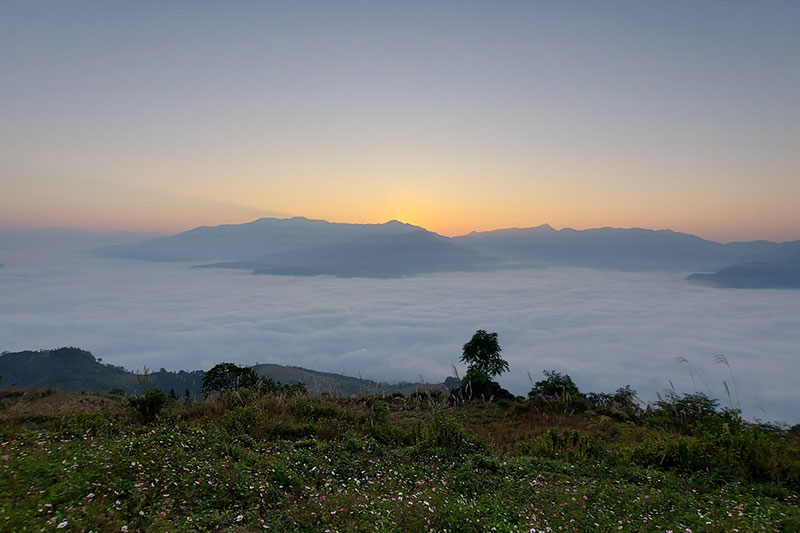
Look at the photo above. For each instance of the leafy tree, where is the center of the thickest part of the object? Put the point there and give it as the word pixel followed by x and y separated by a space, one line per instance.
pixel 554 384
pixel 482 354
pixel 228 377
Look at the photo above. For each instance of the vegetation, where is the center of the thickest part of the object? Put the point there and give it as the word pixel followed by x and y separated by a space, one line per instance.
pixel 253 459
pixel 74 370
pixel 228 377
pixel 482 354
pixel 149 405
pixel 554 384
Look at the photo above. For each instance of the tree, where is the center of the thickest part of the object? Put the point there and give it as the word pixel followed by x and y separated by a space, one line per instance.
pixel 482 354
pixel 228 377
pixel 555 384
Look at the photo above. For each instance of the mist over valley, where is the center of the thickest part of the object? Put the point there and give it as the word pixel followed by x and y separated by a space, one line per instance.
pixel 606 328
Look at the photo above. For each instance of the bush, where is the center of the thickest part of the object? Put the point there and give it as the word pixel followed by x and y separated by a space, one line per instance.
pixel 447 434
pixel 149 405
pixel 748 455
pixel 621 405
pixel 239 422
pixel 555 384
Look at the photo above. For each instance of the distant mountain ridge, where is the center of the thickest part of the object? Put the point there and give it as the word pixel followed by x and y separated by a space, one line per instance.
pixel 74 370
pixel 300 246
pixel 618 248
pixel 783 273
pixel 233 242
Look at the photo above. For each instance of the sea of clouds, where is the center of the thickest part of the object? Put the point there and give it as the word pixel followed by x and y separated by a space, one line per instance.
pixel 606 329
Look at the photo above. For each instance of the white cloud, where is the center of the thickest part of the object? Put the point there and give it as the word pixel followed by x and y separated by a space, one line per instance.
pixel 606 329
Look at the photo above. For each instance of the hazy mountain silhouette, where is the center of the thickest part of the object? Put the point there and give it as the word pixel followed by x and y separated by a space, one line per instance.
pixel 620 249
pixel 780 274
pixel 299 246
pixel 383 256
pixel 236 242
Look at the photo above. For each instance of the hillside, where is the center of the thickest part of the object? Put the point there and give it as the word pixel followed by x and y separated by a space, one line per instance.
pixel 76 370
pixel 780 274
pixel 631 249
pixel 236 242
pixel 385 256
pixel 248 462
pixel 338 384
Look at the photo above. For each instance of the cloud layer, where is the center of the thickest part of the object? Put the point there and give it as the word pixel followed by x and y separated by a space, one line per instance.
pixel 606 329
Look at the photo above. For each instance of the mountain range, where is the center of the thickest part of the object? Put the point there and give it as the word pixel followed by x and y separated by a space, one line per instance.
pixel 299 246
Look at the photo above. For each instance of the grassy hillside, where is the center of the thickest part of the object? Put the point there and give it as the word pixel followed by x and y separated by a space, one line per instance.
pixel 76 370
pixel 67 369
pixel 244 462
pixel 336 384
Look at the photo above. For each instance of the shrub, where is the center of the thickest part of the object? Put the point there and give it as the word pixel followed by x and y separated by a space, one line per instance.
pixel 447 434
pixel 622 404
pixel 554 384
pixel 149 405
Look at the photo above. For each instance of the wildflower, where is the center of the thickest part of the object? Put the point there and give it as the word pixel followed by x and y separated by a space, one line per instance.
pixel 62 525
pixel 4 458
pixel 124 529
pixel 239 518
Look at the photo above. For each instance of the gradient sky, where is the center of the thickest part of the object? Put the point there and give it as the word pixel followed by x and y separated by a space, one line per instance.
pixel 456 116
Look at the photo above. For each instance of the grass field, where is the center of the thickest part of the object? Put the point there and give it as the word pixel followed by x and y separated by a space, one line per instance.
pixel 249 462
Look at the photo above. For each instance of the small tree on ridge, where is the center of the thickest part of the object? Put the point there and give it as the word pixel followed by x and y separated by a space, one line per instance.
pixel 482 354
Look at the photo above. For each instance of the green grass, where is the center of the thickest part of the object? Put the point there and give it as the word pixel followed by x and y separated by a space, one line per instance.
pixel 249 463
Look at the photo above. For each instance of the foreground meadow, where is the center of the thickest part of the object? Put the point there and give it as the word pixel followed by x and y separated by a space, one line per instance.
pixel 251 462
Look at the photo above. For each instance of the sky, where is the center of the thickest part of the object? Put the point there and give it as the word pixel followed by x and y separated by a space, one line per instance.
pixel 455 116
pixel 605 329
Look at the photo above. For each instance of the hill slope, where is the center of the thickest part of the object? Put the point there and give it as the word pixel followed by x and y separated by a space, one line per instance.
pixel 75 370
pixel 780 274
pixel 622 249
pixel 235 242
pixel 384 256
